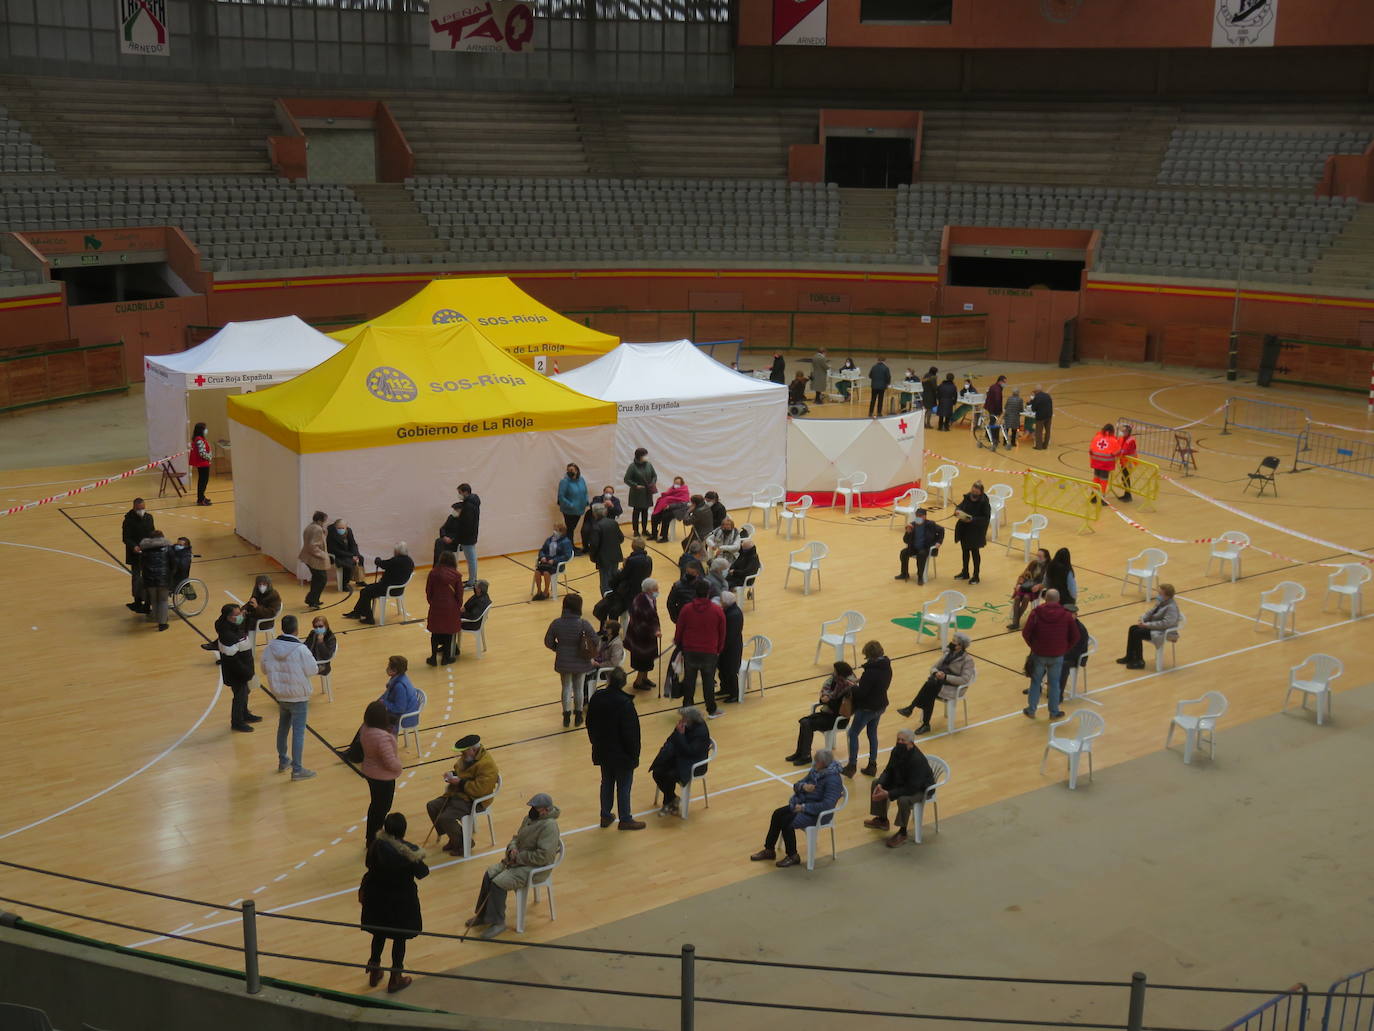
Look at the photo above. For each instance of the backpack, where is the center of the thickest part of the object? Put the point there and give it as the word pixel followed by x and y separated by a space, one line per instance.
pixel 588 644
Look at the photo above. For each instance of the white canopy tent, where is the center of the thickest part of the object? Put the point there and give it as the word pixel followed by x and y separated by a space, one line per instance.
pixel 183 389
pixel 889 450
pixel 716 428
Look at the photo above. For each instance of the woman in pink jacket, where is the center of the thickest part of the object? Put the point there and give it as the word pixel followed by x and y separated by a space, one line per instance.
pixel 381 765
pixel 671 504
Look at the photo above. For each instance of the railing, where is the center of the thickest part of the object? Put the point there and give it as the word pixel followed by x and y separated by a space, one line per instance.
pixel 1286 1011
pixel 1348 1007
pixel 1163 442
pixel 62 370
pixel 1067 495
pixel 1265 417
pixel 1139 478
pixel 1340 454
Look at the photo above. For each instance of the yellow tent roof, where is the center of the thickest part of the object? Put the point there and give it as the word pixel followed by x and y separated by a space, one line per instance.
pixel 505 314
pixel 396 386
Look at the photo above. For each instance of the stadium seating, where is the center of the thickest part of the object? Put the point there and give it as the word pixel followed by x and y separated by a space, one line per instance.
pixel 1286 159
pixel 18 152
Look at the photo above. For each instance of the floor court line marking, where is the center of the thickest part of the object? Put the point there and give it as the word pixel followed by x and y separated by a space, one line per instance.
pixel 72 554
pixel 1217 608
pixel 219 689
pixel 774 777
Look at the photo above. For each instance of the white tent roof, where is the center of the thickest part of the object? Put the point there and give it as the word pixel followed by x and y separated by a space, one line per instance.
pixel 243 353
pixel 676 370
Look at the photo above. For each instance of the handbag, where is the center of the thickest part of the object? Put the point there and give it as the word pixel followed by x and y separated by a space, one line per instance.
pixel 673 678
pixel 847 706
pixel 354 752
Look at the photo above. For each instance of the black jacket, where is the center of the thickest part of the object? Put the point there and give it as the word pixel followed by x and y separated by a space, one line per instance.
pixel 927 535
pixel 396 570
pixel 778 372
pixel 928 391
pixel 388 893
pixel 733 650
pixel 796 391
pixel 180 565
pixel 1041 405
pixel 746 564
pixel 155 561
pixel 469 516
pixel 907 772
pixel 685 749
pixel 945 395
pixel 613 728
pixel 450 530
pixel 680 594
pixel 136 527
pixel 628 580
pixel 974 533
pixel 236 652
pixel 341 546
pixel 718 514
pixel 880 376
pixel 603 543
pixel 876 678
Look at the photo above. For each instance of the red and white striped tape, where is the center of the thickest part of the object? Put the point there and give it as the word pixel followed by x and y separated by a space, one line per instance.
pixel 90 486
pixel 981 468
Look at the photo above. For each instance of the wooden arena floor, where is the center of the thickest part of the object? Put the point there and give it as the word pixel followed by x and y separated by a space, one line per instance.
pixel 121 766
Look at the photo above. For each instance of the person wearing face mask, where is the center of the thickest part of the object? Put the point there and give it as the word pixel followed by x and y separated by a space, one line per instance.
pixel 947 393
pixel 746 564
pixel 1028 586
pixel 614 510
pixel 954 670
pixel 1161 617
pixel 155 561
pixel 536 843
pixel 444 592
pixel 315 556
pixel 974 513
pixel 671 505
pixel 923 538
pixel 724 541
pixel 904 780
pixel 199 460
pixel 236 666
pixel 288 666
pixel 263 603
pixel 399 696
pixel 322 644
pixel 396 571
pixel 556 550
pixel 643 633
pixel 572 498
pixel 138 523
pixel 911 390
pixel 718 510
pixel 474 776
pixel 343 550
pixel 603 546
pixel 565 637
pixel 1051 632
pixel 930 393
pixel 180 562
pixel 642 479
pixel 639 565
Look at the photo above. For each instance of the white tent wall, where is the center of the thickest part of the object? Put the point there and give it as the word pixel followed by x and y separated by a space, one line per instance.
pixel 165 404
pixel 819 451
pixel 404 492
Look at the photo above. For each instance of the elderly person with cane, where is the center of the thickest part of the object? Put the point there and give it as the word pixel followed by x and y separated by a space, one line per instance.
pixel 535 844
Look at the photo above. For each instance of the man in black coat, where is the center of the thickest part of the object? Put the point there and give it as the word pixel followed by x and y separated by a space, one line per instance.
pixel 627 581
pixel 685 589
pixel 746 564
pixel 469 518
pixel 1042 406
pixel 613 728
pixel 448 533
pixel 921 538
pixel 603 545
pixel 718 511
pixel 777 372
pixel 879 379
pixel 727 666
pixel 138 523
pixel 395 571
pixel 904 780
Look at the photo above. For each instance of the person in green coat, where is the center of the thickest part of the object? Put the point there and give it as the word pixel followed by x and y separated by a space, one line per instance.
pixel 642 480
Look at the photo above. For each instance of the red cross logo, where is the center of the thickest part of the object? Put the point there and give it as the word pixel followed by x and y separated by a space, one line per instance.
pixel 200 381
pixel 901 426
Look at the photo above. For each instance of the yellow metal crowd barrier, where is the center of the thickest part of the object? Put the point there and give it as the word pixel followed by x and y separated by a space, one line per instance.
pixel 1067 495
pixel 1138 478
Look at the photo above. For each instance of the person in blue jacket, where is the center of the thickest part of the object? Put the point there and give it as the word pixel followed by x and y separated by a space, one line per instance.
pixel 400 696
pixel 572 498
pixel 818 791
pixel 557 548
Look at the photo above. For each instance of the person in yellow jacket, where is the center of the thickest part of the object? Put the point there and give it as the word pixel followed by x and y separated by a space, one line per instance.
pixel 1102 454
pixel 474 776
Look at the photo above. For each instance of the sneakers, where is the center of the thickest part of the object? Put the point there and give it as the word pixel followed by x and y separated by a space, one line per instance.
pixel 302 774
pixel 714 715
pixel 1056 715
pixel 974 581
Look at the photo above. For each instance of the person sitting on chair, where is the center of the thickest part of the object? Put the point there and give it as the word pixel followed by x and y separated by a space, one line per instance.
pixel 724 540
pixel 535 844
pixel 1161 618
pixel 396 571
pixel 263 603
pixel 671 505
pixel 1026 590
pixel 556 549
pixel 904 780
pixel 716 575
pixel 923 536
pixel 343 549
pixel 473 609
pixel 796 395
pixel 474 776
pixel 745 565
pixel 954 670
pixel 821 789
pixel 687 745
pixel 824 713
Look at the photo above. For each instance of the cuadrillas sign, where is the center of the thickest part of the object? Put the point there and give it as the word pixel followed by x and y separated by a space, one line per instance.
pixel 382 433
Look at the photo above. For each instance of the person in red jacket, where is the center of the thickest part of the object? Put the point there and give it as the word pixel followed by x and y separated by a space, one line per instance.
pixel 199 460
pixel 1050 632
pixel 1102 454
pixel 701 636
pixel 1126 456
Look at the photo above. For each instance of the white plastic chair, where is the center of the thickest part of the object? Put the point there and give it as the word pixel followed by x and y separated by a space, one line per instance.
pixel 851 489
pixel 794 513
pixel 325 685
pixel 396 593
pixel 264 627
pixel 906 506
pixel 953 701
pixel 1348 581
pixel 942 479
pixel 540 877
pixel 698 774
pixel 412 730
pixel 479 634
pixel 1144 569
pixel 469 822
pixel 1315 681
pixel 1282 602
pixel 750 588
pixel 998 496
pixel 1227 548
pixel 941 610
pixel 918 811
pixel 753 663
pixel 1087 727
pixel 767 499
pixel 840 726
pixel 825 821
pixel 1160 638
pixel 1027 531
pixel 1199 729
pixel 1078 674
pixel 814 552
pixel 848 624
pixel 560 572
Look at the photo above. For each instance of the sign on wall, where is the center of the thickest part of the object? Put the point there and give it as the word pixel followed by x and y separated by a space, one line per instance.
pixel 799 23
pixel 481 26
pixel 143 27
pixel 1245 23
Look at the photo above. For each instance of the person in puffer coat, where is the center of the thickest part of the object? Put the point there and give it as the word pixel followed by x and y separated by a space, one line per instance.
pixel 537 843
pixel 819 790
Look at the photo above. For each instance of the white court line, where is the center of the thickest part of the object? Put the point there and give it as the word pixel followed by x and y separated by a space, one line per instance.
pixel 1217 608
pixel 774 777
pixel 235 597
pixel 73 554
pixel 1194 422
pixel 772 774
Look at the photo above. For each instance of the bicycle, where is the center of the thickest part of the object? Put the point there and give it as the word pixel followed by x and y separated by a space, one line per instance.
pixel 190 598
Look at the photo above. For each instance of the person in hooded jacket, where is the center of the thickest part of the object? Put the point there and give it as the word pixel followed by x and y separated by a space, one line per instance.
pixel 819 790
pixel 536 843
pixel 288 666
pixel 263 603
pixel 870 702
pixel 155 562
pixel 390 899
pixel 236 666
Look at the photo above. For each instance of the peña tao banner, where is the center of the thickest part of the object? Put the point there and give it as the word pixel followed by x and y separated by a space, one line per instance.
pixel 481 26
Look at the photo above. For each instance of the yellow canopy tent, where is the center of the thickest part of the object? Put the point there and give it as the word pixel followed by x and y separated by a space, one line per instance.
pixel 382 432
pixel 501 311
